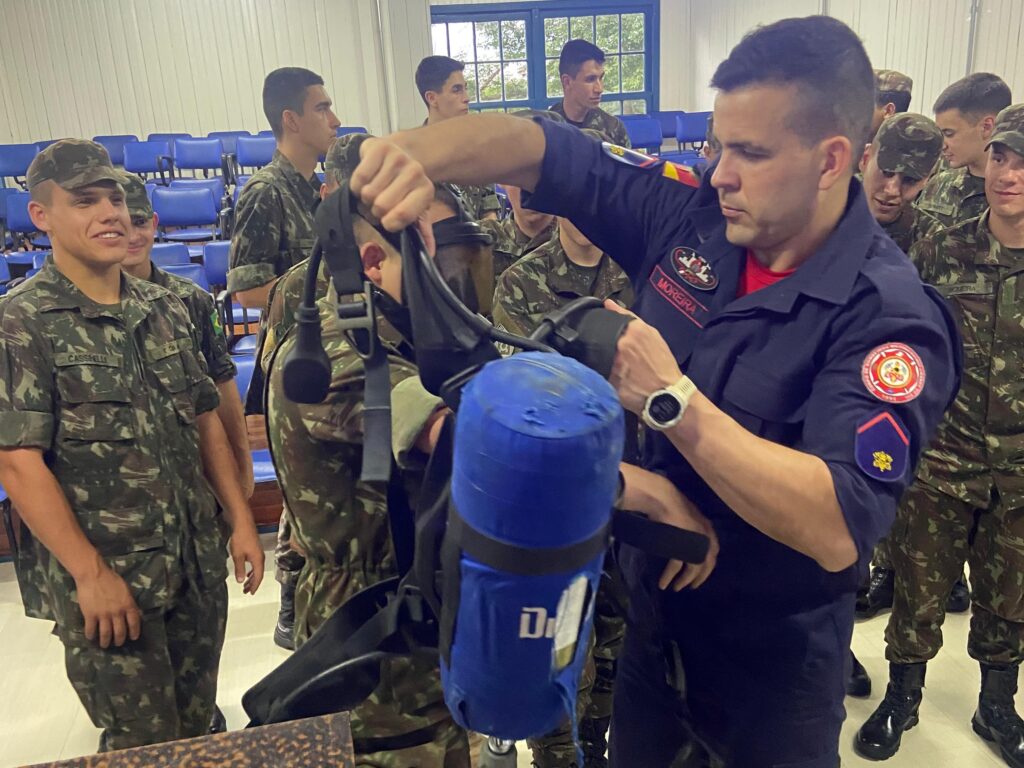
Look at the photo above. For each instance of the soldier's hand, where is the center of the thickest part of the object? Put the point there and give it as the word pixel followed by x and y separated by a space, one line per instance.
pixel 643 362
pixel 392 183
pixel 245 550
pixel 108 607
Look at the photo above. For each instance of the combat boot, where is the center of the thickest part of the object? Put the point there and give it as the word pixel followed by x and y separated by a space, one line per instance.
pixel 879 738
pixel 594 741
pixel 218 723
pixel 960 598
pixel 878 596
pixel 996 719
pixel 284 632
pixel 858 684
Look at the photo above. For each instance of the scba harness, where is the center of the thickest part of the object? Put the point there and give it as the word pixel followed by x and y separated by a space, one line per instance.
pixel 499 565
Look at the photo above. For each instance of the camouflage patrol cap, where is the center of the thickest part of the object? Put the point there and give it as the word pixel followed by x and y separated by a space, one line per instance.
pixel 891 81
pixel 135 197
pixel 1009 129
pixel 909 144
pixel 72 164
pixel 343 156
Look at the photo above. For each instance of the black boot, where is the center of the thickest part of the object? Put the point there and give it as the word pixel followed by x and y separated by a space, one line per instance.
pixel 284 632
pixel 859 683
pixel 218 723
pixel 879 594
pixel 997 719
pixel 960 598
pixel 879 738
pixel 594 741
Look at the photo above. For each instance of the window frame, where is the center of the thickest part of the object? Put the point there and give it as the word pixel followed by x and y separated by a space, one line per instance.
pixel 535 12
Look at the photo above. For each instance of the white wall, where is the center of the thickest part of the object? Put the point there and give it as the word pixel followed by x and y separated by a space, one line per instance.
pixel 999 42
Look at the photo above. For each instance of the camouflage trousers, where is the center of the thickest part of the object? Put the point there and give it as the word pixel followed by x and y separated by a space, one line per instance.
pixel 933 538
pixel 594 697
pixel 287 561
pixel 160 687
pixel 883 553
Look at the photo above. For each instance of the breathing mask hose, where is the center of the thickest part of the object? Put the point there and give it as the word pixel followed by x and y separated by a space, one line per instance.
pixel 307 370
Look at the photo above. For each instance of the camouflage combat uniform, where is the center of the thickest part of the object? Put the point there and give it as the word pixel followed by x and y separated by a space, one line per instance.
pixel 511 243
pixel 972 475
pixel 599 120
pixel 273 231
pixel 110 394
pixel 342 526
pixel 949 198
pixel 477 201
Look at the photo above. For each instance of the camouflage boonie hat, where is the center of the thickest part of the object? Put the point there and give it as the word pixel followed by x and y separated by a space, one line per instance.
pixel 1009 129
pixel 135 197
pixel 891 81
pixel 343 156
pixel 72 164
pixel 909 144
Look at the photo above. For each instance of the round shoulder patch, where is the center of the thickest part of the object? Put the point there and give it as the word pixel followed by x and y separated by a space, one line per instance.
pixel 694 269
pixel 893 372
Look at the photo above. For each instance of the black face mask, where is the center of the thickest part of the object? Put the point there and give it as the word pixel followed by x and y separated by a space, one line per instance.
pixel 395 313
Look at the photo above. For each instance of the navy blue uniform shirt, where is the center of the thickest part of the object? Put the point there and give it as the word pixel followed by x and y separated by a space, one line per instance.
pixel 851 359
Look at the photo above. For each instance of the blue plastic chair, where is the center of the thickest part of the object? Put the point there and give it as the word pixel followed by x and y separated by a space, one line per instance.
pixel 240 182
pixel 147 156
pixel 19 258
pixel 169 254
pixel 228 138
pixel 692 127
pixel 667 120
pixel 254 151
pixel 266 133
pixel 245 345
pixel 189 209
pixel 215 259
pixel 246 366
pixel 41 145
pixel 169 138
pixel 344 130
pixel 114 144
pixel 644 133
pixel 263 467
pixel 15 160
pixel 5 271
pixel 215 185
pixel 193 272
pixel 198 155
pixel 20 223
pixel 39 258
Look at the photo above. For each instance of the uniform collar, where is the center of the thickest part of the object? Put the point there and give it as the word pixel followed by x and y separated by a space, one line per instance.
pixel 61 293
pixel 990 252
pixel 559 262
pixel 308 187
pixel 158 277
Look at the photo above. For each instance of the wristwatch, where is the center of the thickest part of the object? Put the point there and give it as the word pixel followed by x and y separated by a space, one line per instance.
pixel 665 407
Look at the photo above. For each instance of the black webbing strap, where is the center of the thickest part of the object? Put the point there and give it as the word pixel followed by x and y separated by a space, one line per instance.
pixel 376 416
pixel 659 539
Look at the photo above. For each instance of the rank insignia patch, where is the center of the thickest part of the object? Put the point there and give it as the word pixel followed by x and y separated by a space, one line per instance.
pixel 681 173
pixel 893 373
pixel 694 269
pixel 882 448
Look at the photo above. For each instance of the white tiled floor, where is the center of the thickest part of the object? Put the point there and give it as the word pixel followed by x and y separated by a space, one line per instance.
pixel 41 718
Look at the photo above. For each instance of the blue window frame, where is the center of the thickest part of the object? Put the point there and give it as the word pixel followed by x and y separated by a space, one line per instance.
pixel 511 50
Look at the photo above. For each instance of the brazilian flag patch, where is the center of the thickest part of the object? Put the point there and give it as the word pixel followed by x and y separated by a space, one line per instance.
pixel 218 329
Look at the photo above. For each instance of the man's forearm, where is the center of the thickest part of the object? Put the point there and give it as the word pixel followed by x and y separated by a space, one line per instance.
pixel 221 471
pixel 41 503
pixel 786 494
pixel 232 418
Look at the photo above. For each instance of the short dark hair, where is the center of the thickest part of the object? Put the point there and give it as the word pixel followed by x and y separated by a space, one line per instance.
pixel 899 99
pixel 433 72
pixel 575 54
pixel 285 88
pixel 826 62
pixel 975 96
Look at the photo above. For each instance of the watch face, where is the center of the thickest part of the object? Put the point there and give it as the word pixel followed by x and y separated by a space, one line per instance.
pixel 664 407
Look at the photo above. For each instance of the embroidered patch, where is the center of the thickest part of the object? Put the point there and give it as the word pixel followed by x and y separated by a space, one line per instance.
pixel 681 173
pixel 694 269
pixel 882 448
pixel 218 329
pixel 893 373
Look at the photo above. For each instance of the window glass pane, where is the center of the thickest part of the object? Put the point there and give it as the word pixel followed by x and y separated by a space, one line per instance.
pixel 491 109
pixel 461 38
pixel 490 81
pixel 556 34
pixel 487 41
pixel 611 74
pixel 513 39
pixel 515 80
pixel 608 33
pixel 554 82
pixel 634 107
pixel 632 73
pixel 632 31
pixel 439 39
pixel 581 28
pixel 612 107
pixel 470 73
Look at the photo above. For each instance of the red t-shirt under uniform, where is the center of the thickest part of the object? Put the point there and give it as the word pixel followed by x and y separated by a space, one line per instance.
pixel 757 276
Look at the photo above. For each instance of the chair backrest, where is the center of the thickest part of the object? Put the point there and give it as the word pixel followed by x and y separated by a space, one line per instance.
pixel 255 151
pixel 39 258
pixel 114 144
pixel 18 219
pixel 692 127
pixel 228 138
pixel 41 145
pixel 246 365
pixel 644 132
pixel 215 185
pixel 16 158
pixel 240 181
pixel 266 133
pixel 145 156
pixel 198 154
pixel 169 138
pixel 344 130
pixel 193 272
pixel 5 271
pixel 5 192
pixel 215 259
pixel 667 120
pixel 184 207
pixel 167 254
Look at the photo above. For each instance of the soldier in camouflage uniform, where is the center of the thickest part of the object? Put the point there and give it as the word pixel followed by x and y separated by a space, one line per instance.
pixel 581 68
pixel 111 453
pixel 212 343
pixel 968 498
pixel 273 231
pixel 892 96
pixel 965 113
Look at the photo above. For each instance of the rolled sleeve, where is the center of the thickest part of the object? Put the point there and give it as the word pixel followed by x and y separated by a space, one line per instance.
pixel 26 386
pixel 256 244
pixel 212 342
pixel 411 408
